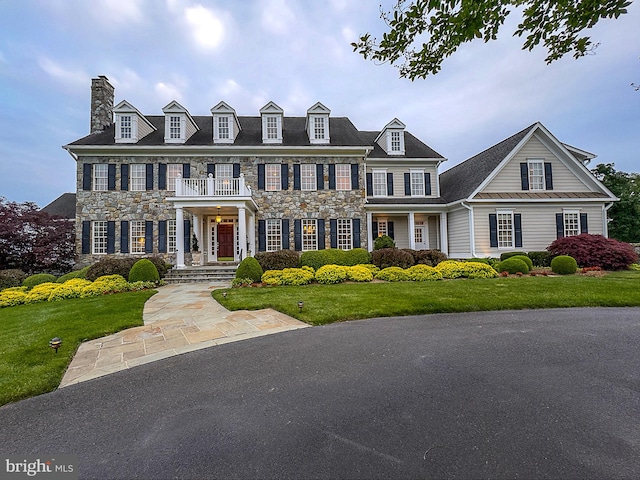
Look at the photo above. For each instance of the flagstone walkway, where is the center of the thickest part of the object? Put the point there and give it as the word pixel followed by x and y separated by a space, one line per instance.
pixel 178 319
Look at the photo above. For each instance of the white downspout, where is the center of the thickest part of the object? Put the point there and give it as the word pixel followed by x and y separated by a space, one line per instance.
pixel 472 234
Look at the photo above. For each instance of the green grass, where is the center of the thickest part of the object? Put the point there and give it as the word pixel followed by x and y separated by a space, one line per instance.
pixel 28 366
pixel 332 303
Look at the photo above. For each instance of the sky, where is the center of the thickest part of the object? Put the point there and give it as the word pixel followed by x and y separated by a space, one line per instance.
pixel 295 53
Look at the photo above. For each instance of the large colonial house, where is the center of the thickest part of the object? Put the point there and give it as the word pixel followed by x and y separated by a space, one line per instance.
pixel 150 184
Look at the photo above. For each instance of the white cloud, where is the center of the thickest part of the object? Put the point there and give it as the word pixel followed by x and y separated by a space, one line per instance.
pixel 229 87
pixel 117 11
pixel 168 92
pixel 207 28
pixel 71 77
pixel 277 17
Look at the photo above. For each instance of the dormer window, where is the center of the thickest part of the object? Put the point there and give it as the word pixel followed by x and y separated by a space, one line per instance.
pixel 318 128
pixel 391 138
pixel 318 124
pixel 272 127
pixel 271 123
pixel 131 125
pixel 125 126
pixel 175 128
pixel 179 126
pixel 396 145
pixel 223 128
pixel 225 123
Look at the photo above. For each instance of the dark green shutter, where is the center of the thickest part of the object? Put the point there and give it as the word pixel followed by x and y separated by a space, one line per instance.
pixel 124 236
pixel 332 176
pixel 524 176
pixel 162 176
pixel 297 235
pixel 124 177
pixel 321 233
pixel 284 173
pixel 262 235
pixel 390 231
pixel 407 184
pixel 355 224
pixel 355 177
pixel 548 176
pixel 186 170
pixel 149 180
pixel 369 184
pixel 285 234
pixel 559 225
pixel 86 176
pixel 111 179
pixel 374 227
pixel 211 169
pixel 162 236
pixel 493 230
pixel 148 237
pixel 333 234
pixel 86 237
pixel 320 176
pixel 111 237
pixel 517 226
pixel 584 228
pixel 427 184
pixel 261 175
pixel 390 184
pixel 236 170
pixel 296 177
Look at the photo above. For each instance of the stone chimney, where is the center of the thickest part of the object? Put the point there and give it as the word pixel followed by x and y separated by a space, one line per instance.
pixel 102 95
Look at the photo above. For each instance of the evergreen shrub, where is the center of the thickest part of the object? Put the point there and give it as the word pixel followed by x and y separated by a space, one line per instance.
pixel 423 273
pixel 393 274
pixel 250 268
pixel 541 258
pixel 41 292
pixel 70 289
pixel 359 273
pixel 329 274
pixel 105 285
pixel 526 260
pixel 391 257
pixel 38 279
pixel 111 266
pixel 451 269
pixel 278 260
pixel 513 266
pixel 564 265
pixel 144 271
pixel 12 277
pixel 383 241
pixel 478 270
pixel 356 256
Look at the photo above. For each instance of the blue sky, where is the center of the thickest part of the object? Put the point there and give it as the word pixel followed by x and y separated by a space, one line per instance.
pixel 294 53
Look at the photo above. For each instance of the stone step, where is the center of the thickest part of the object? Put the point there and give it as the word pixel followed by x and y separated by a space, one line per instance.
pixel 221 272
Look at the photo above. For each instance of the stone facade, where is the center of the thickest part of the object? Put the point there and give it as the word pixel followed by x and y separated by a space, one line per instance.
pixel 102 94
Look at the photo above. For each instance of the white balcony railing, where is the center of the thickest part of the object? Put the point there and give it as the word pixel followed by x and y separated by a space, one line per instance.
pixel 212 187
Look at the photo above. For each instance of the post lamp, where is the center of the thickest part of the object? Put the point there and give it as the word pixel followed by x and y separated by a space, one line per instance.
pixel 55 343
pixel 224 294
pixel 300 305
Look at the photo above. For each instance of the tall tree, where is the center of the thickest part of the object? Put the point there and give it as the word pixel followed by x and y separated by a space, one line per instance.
pixel 625 214
pixel 447 24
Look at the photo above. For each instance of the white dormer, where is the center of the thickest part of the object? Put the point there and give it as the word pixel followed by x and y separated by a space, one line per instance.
pixel 131 125
pixel 271 123
pixel 178 124
pixel 318 124
pixel 391 138
pixel 225 123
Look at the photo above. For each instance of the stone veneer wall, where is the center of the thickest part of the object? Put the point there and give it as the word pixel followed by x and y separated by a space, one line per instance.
pixel 151 205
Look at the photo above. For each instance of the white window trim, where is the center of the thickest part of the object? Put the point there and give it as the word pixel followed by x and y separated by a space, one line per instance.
pixel 132 241
pixel 566 212
pixel 539 161
pixel 171 179
pixel 382 171
pixel 134 128
pixel 167 128
pixel 390 150
pixel 278 119
pixel 216 129
pixel 278 169
pixel 313 236
pixel 513 229
pixel 268 222
pixel 136 167
pixel 312 130
pixel 348 246
pixel 314 184
pixel 347 168
pixel 94 250
pixel 420 172
pixel 94 177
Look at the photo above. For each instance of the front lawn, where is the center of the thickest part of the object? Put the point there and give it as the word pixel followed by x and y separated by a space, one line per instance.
pixel 349 301
pixel 28 366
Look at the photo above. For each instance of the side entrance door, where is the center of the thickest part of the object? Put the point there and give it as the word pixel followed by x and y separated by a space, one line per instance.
pixel 225 240
pixel 421 236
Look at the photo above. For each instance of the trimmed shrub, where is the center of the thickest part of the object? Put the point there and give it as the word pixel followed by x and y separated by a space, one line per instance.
pixel 162 266
pixel 427 257
pixel 111 266
pixel 272 277
pixel 359 273
pixel 383 241
pixel 144 271
pixel 540 259
pixel 506 255
pixel 11 297
pixel 41 292
pixel 356 256
pixel 278 260
pixel 330 274
pixel 105 285
pixel 308 269
pixel 242 282
pixel 250 268
pixel 513 266
pixel 423 273
pixel 393 274
pixel 526 260
pixel 12 277
pixel 370 266
pixel 478 260
pixel 564 265
pixel 295 276
pixel 451 269
pixel 70 289
pixel 313 258
pixel 391 257
pixel 478 270
pixel 38 279
pixel 595 251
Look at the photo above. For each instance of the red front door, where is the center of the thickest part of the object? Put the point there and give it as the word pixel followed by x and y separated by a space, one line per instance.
pixel 225 240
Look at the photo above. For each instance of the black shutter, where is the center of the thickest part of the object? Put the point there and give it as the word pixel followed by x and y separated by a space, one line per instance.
pixel 517 226
pixel 186 170
pixel 86 176
pixel 548 176
pixel 111 179
pixel 332 176
pixel 369 184
pixel 236 170
pixel 374 227
pixel 262 234
pixel 124 177
pixel 261 179
pixel 296 177
pixel 559 225
pixel 162 236
pixel 148 236
pixel 162 176
pixel 111 237
pixel 284 172
pixel 333 234
pixel 584 228
pixel 407 184
pixel 355 177
pixel 321 233
pixel 390 231
pixel 524 176
pixel 297 235
pixel 187 236
pixel 86 236
pixel 320 176
pixel 427 184
pixel 390 184
pixel 149 181
pixel 355 225
pixel 285 234
pixel 124 236
pixel 211 169
pixel 493 230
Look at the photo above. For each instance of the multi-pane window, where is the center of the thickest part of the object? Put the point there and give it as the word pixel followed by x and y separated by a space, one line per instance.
pixel 417 183
pixel 274 235
pixel 100 177
pixel 174 127
pixel 343 177
pixel 138 177
pixel 174 170
pixel 536 175
pixel 345 234
pixel 223 127
pixel 171 236
pixel 379 183
pixel 224 179
pixel 382 228
pixel 137 236
pixel 224 170
pixel 308 177
pixel 125 126
pixel 309 235
pixel 396 144
pixel 571 224
pixel 272 174
pixel 99 237
pixel 272 127
pixel 505 229
pixel 318 128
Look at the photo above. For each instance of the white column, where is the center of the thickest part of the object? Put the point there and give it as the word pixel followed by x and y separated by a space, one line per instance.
pixel 251 233
pixel 197 231
pixel 242 232
pixel 444 240
pixel 179 238
pixel 369 232
pixel 412 231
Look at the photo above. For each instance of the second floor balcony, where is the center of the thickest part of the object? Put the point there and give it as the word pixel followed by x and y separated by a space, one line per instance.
pixel 212 187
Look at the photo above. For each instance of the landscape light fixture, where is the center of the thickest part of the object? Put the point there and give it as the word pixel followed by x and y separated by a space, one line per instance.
pixel 224 294
pixel 55 343
pixel 300 305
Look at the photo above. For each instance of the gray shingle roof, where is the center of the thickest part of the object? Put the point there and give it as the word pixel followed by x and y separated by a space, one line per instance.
pixel 64 206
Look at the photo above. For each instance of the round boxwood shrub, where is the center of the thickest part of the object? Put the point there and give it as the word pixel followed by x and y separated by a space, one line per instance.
pixel 506 255
pixel 38 279
pixel 312 258
pixel 250 268
pixel 564 265
pixel 393 274
pixel 12 277
pixel 512 265
pixel 356 256
pixel 358 273
pixel 383 241
pixel 526 260
pixel 144 271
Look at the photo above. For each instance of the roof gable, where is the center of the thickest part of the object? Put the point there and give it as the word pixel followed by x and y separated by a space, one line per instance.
pixel 318 109
pixel 222 107
pixel 271 108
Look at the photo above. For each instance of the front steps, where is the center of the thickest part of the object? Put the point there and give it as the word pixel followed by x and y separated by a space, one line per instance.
pixel 221 272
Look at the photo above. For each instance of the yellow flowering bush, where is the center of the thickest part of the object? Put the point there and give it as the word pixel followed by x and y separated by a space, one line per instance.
pixel 393 274
pixel 106 284
pixel 359 273
pixel 451 269
pixel 296 276
pixel 369 266
pixel 423 273
pixel 41 293
pixel 479 270
pixel 329 274
pixel 70 289
pixel 272 277
pixel 308 269
pixel 13 296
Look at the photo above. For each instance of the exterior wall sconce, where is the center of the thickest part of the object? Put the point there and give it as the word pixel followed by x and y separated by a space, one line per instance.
pixel 218 217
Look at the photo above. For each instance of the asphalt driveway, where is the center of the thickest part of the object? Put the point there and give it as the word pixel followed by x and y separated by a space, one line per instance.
pixel 526 394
